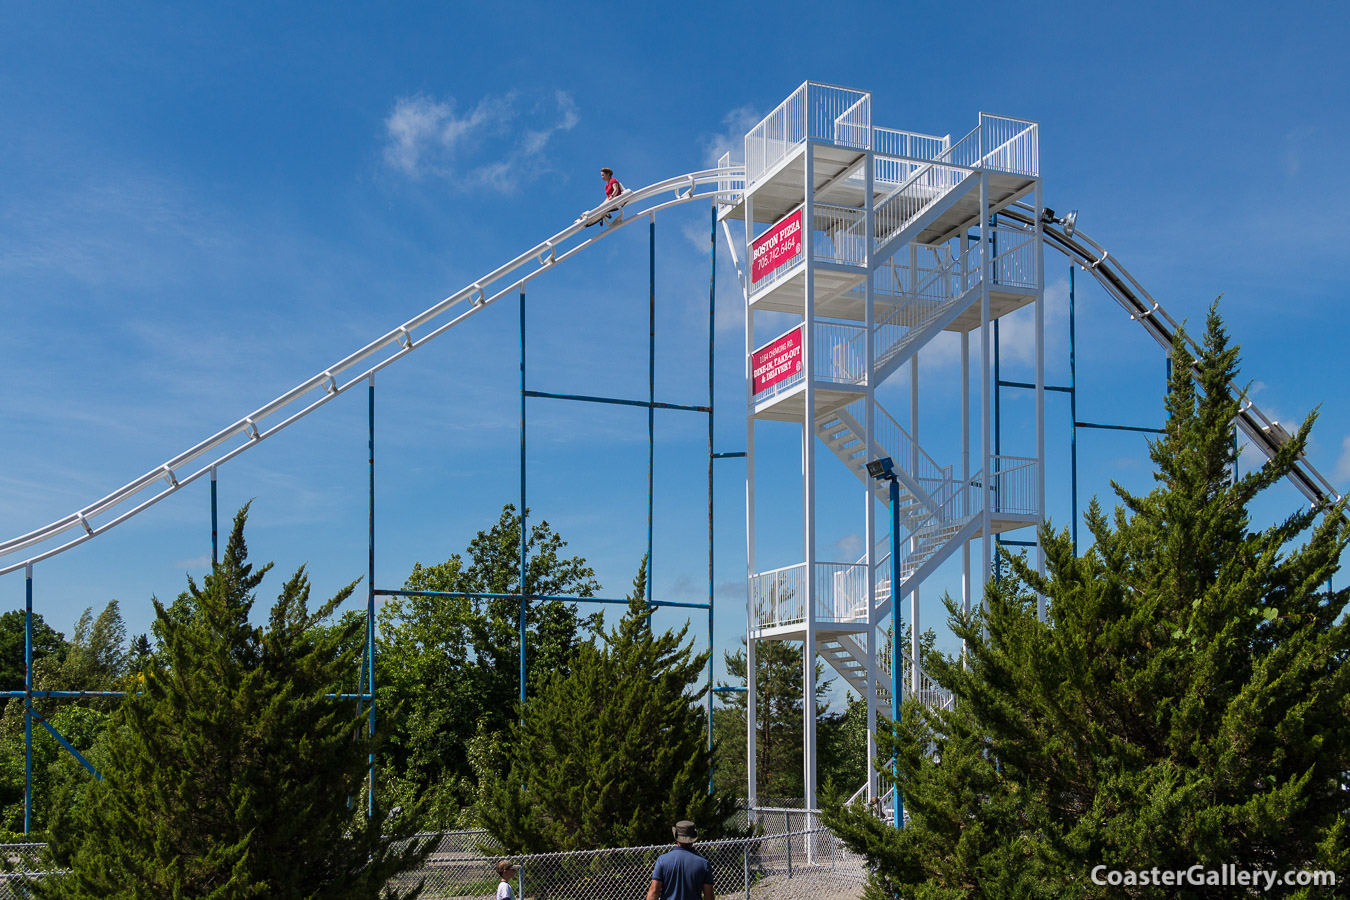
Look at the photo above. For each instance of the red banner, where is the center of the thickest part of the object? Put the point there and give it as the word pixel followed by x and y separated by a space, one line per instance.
pixel 777 360
pixel 776 246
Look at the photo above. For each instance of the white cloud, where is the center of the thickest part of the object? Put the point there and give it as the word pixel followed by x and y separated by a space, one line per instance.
pixel 426 137
pixel 732 136
pixel 1342 472
pixel 850 546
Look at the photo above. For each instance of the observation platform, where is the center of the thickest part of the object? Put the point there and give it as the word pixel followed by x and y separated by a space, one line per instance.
pixel 838 179
pixel 839 295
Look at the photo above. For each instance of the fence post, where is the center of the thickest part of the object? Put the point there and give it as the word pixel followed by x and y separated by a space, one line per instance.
pixel 788 837
pixel 745 867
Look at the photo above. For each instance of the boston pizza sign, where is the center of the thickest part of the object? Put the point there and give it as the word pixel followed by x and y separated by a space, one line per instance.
pixel 777 246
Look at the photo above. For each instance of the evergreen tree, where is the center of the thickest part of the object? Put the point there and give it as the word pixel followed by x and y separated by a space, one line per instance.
pixel 1185 703
pixel 779 699
pixel 46 642
pixel 232 774
pixel 452 663
pixel 612 753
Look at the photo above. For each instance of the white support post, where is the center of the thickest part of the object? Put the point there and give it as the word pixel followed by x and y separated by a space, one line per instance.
pixel 751 720
pixel 986 459
pixel 869 486
pixel 965 464
pixel 914 471
pixel 809 484
pixel 1040 390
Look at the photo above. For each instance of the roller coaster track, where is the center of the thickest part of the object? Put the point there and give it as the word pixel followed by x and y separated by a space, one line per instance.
pixel 721 185
pixel 1265 434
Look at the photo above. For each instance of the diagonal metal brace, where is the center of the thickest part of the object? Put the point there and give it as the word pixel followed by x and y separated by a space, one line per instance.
pixel 65 743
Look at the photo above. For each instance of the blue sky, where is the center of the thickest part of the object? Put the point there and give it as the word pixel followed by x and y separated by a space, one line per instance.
pixel 201 208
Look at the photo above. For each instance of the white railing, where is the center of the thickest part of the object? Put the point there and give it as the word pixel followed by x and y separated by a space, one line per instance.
pixel 906 453
pixel 1014 257
pixel 924 288
pixel 778 596
pixel 911 144
pixel 1015 486
pixel 927 691
pixel 1000 144
pixel 921 191
pixel 1011 145
pixel 853 127
pixel 820 112
pixel 839 352
pixel 841 592
pixel 838 235
pixel 728 185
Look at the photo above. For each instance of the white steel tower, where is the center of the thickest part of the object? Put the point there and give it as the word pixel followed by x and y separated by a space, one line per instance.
pixel 874 241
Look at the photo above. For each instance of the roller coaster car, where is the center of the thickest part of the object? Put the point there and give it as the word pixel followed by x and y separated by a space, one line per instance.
pixel 613 210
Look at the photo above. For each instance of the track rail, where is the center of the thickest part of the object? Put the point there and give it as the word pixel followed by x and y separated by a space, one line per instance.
pixel 721 184
pixel 1265 434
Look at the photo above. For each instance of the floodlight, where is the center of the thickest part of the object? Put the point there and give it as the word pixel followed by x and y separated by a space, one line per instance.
pixel 881 469
pixel 1069 222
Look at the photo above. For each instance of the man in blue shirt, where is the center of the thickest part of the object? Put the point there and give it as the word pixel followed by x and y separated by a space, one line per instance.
pixel 681 874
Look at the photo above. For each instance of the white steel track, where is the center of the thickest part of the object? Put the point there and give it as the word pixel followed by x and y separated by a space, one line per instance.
pixel 1263 432
pixel 722 185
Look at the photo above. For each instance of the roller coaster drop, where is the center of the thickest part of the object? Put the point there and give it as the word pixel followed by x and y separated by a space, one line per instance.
pixel 869 202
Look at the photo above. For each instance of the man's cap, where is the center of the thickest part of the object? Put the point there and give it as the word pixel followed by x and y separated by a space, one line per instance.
pixel 504 866
pixel 685 831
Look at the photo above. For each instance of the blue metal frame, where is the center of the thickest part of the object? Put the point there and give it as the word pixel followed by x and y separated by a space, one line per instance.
pixel 1074 424
pixel 365 693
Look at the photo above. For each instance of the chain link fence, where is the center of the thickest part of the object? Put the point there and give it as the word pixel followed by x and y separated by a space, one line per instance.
pixel 777 865
pixel 801 865
pixel 19 863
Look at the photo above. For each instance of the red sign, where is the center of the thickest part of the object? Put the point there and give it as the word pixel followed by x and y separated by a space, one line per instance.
pixel 777 360
pixel 776 246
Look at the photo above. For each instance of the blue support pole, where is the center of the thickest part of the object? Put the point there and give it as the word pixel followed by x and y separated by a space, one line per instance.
pixel 897 804
pixel 651 387
pixel 215 554
pixel 28 700
pixel 370 601
pixel 1073 419
pixel 523 539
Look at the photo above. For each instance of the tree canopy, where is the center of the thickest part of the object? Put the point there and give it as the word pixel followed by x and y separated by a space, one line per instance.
pixel 232 772
pixel 1184 703
pixel 612 752
pixel 450 664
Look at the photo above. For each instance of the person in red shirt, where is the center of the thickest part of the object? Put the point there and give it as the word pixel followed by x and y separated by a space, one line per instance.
pixel 612 190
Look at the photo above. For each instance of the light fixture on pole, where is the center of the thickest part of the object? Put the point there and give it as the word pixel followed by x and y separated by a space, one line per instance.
pixel 1070 222
pixel 883 469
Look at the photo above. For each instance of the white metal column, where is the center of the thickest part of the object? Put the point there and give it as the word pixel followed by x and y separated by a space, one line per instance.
pixel 986 459
pixel 869 493
pixel 1040 390
pixel 809 483
pixel 750 686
